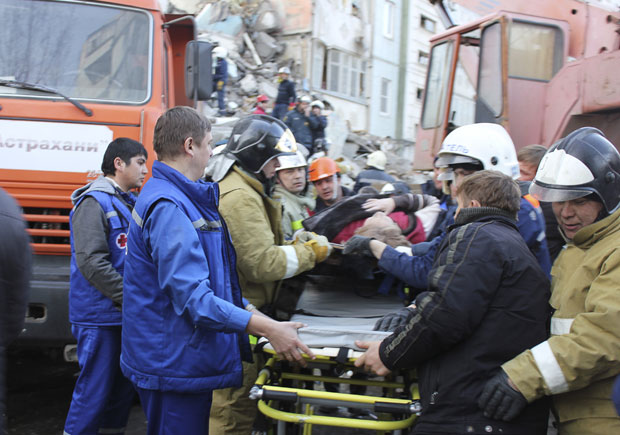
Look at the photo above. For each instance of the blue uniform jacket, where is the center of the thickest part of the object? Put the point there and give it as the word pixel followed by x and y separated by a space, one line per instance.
pixel 87 305
pixel 183 325
pixel 300 127
pixel 414 270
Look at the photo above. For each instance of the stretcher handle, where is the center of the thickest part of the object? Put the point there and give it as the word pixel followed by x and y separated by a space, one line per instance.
pixel 279 395
pixel 394 408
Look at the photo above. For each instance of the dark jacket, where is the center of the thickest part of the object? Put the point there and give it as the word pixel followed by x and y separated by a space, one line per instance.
pixel 300 127
pixel 317 126
pixel 286 93
pixel 221 72
pixel 486 303
pixel 370 176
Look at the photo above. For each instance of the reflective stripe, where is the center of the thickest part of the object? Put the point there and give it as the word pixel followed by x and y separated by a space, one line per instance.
pixel 297 225
pixel 110 214
pixel 560 326
pixel 529 198
pixel 549 368
pixel 292 263
pixel 136 218
pixel 210 225
pixel 253 339
pixel 541 236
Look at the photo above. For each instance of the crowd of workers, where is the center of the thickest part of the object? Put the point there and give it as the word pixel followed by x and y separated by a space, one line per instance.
pixel 170 288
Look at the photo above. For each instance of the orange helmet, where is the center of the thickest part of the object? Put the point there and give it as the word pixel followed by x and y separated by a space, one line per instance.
pixel 322 167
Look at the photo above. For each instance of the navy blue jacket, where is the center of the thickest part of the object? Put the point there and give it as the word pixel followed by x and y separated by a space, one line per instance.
pixel 317 126
pixel 183 321
pixel 286 93
pixel 486 302
pixel 221 71
pixel 300 127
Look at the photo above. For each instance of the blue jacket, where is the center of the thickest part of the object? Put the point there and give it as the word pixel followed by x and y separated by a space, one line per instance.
pixel 286 93
pixel 221 71
pixel 183 325
pixel 300 127
pixel 414 270
pixel 88 306
pixel 317 126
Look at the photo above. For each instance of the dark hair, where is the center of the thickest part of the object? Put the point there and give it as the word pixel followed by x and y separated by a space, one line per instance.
pixel 176 125
pixel 531 154
pixel 491 189
pixel 124 148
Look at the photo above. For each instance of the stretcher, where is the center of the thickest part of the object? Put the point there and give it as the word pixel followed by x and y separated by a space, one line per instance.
pixel 331 391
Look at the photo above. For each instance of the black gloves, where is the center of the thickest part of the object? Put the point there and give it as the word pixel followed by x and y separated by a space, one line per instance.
pixel 391 321
pixel 499 400
pixel 358 245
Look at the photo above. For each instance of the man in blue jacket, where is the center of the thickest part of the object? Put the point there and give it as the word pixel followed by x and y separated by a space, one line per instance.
pixel 286 93
pixel 99 222
pixel 185 322
pixel 298 122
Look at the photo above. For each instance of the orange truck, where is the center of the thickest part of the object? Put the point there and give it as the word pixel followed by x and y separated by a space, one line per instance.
pixel 539 68
pixel 74 75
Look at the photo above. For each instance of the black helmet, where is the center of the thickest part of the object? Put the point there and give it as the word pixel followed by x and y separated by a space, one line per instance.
pixel 257 139
pixel 581 164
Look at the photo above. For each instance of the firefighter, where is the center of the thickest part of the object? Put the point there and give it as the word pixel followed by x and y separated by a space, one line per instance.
pixel 580 176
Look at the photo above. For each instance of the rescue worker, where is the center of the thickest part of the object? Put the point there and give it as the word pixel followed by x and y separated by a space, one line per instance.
pixel 261 105
pixel 529 158
pixel 220 77
pixel 15 266
pixel 318 123
pixel 324 174
pixel 298 120
pixel 184 319
pixel 99 224
pixel 464 151
pixel 577 365
pixel 254 218
pixel 291 190
pixel 486 300
pixel 374 173
pixel 286 93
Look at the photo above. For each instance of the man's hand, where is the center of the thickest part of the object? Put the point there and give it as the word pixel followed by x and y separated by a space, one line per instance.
pixel 282 336
pixel 386 205
pixel 391 321
pixel 370 360
pixel 358 245
pixel 319 244
pixel 500 398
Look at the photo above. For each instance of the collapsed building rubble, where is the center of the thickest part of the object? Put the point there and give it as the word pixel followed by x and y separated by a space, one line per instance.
pixel 251 33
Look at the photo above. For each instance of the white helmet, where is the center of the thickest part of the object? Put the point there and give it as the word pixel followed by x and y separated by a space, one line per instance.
pixel 487 144
pixel 318 103
pixel 219 52
pixel 296 160
pixel 305 99
pixel 284 70
pixel 377 159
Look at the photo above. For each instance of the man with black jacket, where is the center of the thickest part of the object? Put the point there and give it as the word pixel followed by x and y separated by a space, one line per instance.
pixel 486 302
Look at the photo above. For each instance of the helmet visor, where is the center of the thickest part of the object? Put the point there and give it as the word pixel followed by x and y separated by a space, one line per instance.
pixel 452 159
pixel 554 194
pixel 446 174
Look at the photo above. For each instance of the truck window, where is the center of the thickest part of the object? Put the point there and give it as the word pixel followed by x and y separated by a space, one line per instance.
pixel 437 84
pixel 85 51
pixel 534 51
pixel 490 71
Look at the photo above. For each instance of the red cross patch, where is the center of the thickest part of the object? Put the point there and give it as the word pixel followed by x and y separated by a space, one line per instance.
pixel 121 241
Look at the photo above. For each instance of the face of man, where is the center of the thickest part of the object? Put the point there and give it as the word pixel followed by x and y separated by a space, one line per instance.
pixel 202 154
pixel 438 183
pixel 459 174
pixel 292 179
pixel 269 170
pixel 130 176
pixel 527 170
pixel 303 107
pixel 575 214
pixel 325 188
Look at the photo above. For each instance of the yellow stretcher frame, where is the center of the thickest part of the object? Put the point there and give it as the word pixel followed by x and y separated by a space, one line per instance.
pixel 269 395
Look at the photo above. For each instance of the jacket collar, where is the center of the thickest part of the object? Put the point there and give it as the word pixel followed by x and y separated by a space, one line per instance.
pixel 300 199
pixel 203 194
pixel 473 214
pixel 587 236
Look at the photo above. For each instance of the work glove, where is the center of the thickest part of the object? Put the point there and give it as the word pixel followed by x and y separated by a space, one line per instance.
pixel 391 321
pixel 499 400
pixel 319 244
pixel 358 245
pixel 220 85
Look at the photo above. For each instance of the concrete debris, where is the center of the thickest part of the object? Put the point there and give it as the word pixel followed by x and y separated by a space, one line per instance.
pixel 250 30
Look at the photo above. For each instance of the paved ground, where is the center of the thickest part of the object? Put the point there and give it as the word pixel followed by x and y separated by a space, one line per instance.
pixel 39 388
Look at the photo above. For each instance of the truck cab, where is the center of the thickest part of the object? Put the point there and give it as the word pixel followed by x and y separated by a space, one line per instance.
pixel 74 75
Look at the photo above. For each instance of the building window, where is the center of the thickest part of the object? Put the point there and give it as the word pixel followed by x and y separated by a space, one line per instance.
pixel 388 19
pixel 422 58
pixel 427 24
pixel 384 99
pixel 345 74
pixel 419 93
